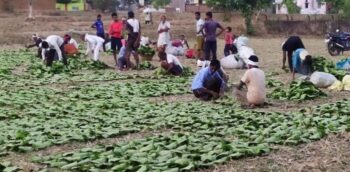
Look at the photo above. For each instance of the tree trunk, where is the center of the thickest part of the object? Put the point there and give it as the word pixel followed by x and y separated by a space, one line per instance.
pixel 30 16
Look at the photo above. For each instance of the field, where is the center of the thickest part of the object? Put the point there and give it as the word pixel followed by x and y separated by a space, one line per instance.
pixel 88 117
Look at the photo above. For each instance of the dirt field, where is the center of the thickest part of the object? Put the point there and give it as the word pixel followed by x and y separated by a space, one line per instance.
pixel 330 154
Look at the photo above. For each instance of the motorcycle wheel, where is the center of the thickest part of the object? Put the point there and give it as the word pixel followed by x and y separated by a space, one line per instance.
pixel 333 49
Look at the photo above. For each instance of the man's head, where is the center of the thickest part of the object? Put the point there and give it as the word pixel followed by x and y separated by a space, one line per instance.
pixel 228 29
pixel 99 17
pixel 214 65
pixel 253 62
pixel 197 15
pixel 124 19
pixel 163 18
pixel 131 15
pixel 115 16
pixel 307 63
pixel 162 56
pixel 67 38
pixel 208 15
pixel 44 45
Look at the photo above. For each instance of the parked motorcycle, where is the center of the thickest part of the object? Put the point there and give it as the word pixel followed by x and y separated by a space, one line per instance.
pixel 338 42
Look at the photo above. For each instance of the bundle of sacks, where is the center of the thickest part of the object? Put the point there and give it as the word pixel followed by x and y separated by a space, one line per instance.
pixel 239 60
pixel 326 80
pixel 341 85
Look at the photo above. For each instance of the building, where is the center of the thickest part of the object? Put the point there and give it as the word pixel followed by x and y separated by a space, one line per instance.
pixel 19 5
pixel 75 5
pixel 178 5
pixel 306 7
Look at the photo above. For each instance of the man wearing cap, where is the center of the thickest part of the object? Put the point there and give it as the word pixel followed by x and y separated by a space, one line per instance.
pixel 208 83
pixel 50 46
pixel 254 80
pixel 302 62
pixel 289 47
pixel 70 45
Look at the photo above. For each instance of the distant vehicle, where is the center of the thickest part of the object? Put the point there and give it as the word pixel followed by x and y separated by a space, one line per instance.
pixel 338 42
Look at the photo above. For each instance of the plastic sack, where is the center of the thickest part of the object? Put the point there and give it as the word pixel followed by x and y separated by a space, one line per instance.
pixel 343 64
pixel 190 53
pixel 231 62
pixel 176 51
pixel 322 79
pixel 337 86
pixel 244 53
pixel 241 41
pixel 346 82
pixel 144 41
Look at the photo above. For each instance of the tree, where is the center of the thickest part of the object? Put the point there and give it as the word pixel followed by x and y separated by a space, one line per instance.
pixel 105 4
pixel 160 3
pixel 339 6
pixel 246 7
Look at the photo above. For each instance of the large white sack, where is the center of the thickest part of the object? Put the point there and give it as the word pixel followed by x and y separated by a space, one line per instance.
pixel 322 79
pixel 230 62
pixel 176 51
pixel 244 53
pixel 241 41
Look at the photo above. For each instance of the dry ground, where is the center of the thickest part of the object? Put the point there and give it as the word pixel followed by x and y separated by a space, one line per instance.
pixel 329 154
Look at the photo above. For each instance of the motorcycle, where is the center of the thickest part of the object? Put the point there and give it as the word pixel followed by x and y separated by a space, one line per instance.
pixel 338 42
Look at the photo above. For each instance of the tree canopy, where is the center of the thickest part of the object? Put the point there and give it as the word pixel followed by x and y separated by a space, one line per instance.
pixel 160 3
pixel 246 7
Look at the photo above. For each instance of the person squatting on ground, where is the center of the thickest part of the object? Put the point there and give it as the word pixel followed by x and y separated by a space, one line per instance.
pixel 254 80
pixel 209 83
pixel 230 48
pixel 163 33
pixel 100 31
pixel 209 30
pixel 115 32
pixel 36 43
pixel 94 44
pixel 133 27
pixel 199 36
pixel 288 47
pixel 170 63
pixel 50 46
pixel 302 62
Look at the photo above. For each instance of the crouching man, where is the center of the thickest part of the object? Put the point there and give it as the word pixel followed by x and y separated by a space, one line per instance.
pixel 254 80
pixel 50 46
pixel 208 83
pixel 170 63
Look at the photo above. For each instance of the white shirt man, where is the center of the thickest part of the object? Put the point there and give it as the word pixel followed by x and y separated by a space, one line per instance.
pixel 93 44
pixel 135 24
pixel 52 42
pixel 173 59
pixel 199 25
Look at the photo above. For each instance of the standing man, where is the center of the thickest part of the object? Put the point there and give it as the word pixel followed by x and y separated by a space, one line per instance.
pixel 133 27
pixel 115 32
pixel 209 30
pixel 93 45
pixel 288 47
pixel 163 33
pixel 254 80
pixel 200 36
pixel 50 46
pixel 208 83
pixel 100 31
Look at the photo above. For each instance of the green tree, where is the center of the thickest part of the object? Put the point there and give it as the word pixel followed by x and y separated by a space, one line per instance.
pixel 246 7
pixel 160 3
pixel 339 6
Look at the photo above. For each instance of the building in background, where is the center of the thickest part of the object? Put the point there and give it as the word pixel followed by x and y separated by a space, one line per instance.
pixel 306 7
pixel 22 5
pixel 74 5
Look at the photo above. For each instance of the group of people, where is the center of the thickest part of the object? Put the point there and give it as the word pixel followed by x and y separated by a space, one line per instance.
pixel 211 80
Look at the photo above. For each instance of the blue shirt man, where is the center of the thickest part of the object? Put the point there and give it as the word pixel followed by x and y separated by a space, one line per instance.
pixel 208 83
pixel 98 25
pixel 302 62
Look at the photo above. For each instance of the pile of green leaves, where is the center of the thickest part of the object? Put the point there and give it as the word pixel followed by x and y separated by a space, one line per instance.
pixel 297 91
pixel 187 72
pixel 321 64
pixel 272 83
pixel 146 65
pixel 7 167
pixel 207 138
pixel 146 51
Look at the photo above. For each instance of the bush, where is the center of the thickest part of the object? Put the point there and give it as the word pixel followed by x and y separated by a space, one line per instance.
pixel 104 5
pixel 8 6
